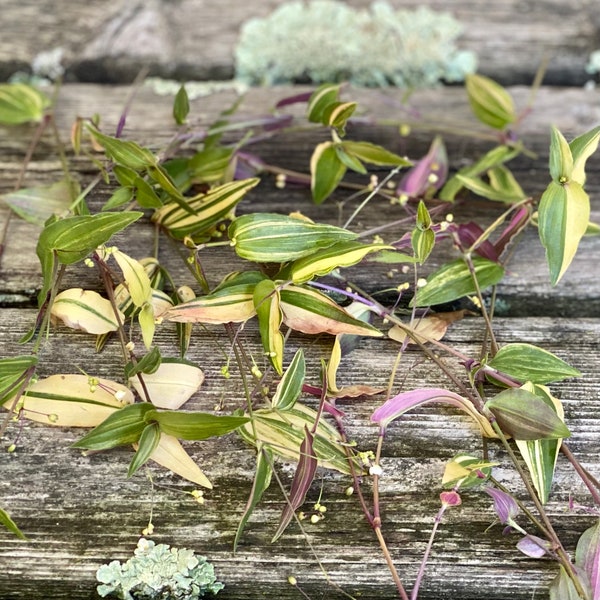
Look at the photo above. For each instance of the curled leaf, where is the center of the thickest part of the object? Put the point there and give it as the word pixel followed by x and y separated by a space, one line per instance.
pixel 398 405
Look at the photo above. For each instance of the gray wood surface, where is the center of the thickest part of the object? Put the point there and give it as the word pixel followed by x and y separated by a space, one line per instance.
pixel 110 41
pixel 80 512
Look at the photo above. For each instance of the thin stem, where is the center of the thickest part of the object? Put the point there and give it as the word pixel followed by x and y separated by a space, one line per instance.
pixel 562 555
pixel 421 573
pixel 390 563
pixel 376 190
pixel 484 312
pixel 592 484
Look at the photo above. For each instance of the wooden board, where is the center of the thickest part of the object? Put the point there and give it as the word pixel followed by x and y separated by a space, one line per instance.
pixel 110 41
pixel 81 511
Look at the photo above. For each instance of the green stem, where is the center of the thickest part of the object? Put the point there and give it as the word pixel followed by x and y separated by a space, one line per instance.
pixel 561 553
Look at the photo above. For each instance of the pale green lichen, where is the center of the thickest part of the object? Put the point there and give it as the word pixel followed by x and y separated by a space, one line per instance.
pixel 158 572
pixel 593 65
pixel 327 41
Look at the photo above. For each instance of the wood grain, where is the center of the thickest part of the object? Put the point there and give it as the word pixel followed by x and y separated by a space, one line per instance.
pixel 81 511
pixel 110 41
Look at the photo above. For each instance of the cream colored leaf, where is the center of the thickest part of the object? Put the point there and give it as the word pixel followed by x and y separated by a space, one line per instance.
pixel 136 278
pixel 172 455
pixel 73 400
pixel 171 385
pixel 85 310
pixel 147 324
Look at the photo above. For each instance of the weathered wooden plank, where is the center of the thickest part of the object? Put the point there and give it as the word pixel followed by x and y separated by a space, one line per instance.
pixel 195 39
pixel 83 511
pixel 524 291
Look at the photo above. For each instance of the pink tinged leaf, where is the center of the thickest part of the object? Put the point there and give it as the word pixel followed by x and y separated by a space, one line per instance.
pixel 395 407
pixel 514 227
pixel 533 546
pixel 505 505
pixel 451 498
pixel 294 99
pixel 469 233
pixel 305 473
pixel 428 175
pixel 587 557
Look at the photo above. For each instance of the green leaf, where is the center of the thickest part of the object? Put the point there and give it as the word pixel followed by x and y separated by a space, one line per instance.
pixel 181 106
pixel 309 311
pixel 326 171
pixel 561 159
pixel 21 103
pixel 321 262
pixel 350 160
pixel 563 588
pixel 207 209
pixel 37 204
pixel 526 362
pixel 524 416
pixel 422 241
pixel 262 480
pixel 540 455
pixel 196 425
pixel 124 426
pixel 283 432
pixel 454 280
pixel 502 180
pixel 270 237
pixel 374 154
pixel 563 218
pixel 321 99
pixel 289 388
pixel 495 157
pixel 145 195
pixel 267 305
pixel 582 147
pixel 146 446
pixel 72 239
pixel 210 164
pixel 125 153
pixel 10 524
pixel 587 558
pixel 120 196
pixel 337 114
pixel 12 372
pixel 149 363
pixel 490 102
pixel 485 190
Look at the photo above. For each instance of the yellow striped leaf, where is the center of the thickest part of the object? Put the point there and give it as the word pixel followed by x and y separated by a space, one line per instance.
pixel 270 237
pixel 310 311
pixel 341 254
pixel 208 209
pixel 85 310
pixel 267 305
